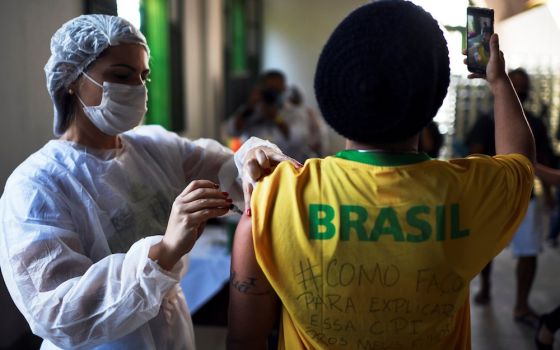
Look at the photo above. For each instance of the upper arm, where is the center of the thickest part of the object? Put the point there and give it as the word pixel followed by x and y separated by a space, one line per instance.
pixel 253 306
pixel 491 205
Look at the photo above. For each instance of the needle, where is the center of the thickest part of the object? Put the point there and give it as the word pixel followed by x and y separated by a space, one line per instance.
pixel 235 209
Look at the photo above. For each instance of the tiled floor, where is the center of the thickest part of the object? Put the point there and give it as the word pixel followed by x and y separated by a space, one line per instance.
pixel 492 325
pixel 210 338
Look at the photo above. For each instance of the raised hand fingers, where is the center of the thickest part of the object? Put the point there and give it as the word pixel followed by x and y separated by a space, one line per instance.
pixel 495 54
pixel 475 76
pixel 496 68
pixel 494 44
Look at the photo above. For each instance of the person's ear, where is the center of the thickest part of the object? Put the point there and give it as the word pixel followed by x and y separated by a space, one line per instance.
pixel 73 87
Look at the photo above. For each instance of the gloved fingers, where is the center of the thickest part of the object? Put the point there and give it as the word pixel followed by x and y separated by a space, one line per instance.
pixel 257 164
pixel 196 184
pixel 252 170
pixel 276 158
pixel 264 162
pixel 273 158
pixel 247 193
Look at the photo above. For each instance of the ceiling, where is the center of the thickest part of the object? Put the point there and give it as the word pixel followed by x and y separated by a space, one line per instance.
pixel 504 9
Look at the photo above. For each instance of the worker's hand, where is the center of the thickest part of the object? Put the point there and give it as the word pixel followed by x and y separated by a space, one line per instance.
pixel 201 200
pixel 260 161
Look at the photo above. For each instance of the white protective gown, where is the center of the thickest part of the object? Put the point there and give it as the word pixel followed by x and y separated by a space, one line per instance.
pixel 75 231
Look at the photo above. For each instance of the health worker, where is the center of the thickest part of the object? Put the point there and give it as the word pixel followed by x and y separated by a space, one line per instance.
pixel 95 225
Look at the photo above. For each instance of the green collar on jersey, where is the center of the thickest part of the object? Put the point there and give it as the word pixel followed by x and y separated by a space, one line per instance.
pixel 382 158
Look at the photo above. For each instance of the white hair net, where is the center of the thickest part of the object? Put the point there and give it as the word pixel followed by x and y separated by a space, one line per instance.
pixel 77 44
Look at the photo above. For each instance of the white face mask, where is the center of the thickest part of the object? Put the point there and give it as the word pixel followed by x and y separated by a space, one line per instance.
pixel 122 107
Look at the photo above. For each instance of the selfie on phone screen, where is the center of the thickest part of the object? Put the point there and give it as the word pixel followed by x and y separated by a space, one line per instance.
pixel 479 31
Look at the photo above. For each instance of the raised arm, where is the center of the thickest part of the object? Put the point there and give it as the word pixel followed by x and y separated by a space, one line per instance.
pixel 253 304
pixel 513 134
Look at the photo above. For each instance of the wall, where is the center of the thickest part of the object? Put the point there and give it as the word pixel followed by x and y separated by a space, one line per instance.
pixel 532 36
pixel 26 113
pixel 294 34
pixel 530 40
pixel 26 109
pixel 204 76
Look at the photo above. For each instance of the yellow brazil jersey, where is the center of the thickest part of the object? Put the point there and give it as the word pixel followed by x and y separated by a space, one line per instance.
pixel 375 251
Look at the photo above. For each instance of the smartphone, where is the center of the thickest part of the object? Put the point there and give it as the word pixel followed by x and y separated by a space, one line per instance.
pixel 480 26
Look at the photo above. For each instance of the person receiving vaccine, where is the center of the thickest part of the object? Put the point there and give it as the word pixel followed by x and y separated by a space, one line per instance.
pixel 95 226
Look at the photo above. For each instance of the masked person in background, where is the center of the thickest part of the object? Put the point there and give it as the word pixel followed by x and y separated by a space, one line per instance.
pixel 526 244
pixel 313 125
pixel 269 116
pixel 81 220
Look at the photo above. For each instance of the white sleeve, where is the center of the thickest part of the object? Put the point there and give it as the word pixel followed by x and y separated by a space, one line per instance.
pixel 206 158
pixel 212 161
pixel 209 160
pixel 66 296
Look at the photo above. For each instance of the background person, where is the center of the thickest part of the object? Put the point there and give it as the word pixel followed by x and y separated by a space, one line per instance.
pixel 311 127
pixel 526 244
pixel 548 323
pixel 81 219
pixel 269 116
pixel 375 247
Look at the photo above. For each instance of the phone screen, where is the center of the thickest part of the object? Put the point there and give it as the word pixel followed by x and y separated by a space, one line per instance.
pixel 480 26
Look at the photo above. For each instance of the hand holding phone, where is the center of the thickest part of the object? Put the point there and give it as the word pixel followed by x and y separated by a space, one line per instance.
pixel 480 27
